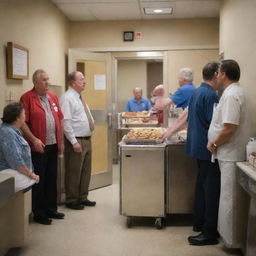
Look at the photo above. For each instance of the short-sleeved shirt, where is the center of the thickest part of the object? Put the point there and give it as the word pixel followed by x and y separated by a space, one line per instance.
pixel 133 105
pixel 181 97
pixel 232 109
pixel 14 149
pixel 200 112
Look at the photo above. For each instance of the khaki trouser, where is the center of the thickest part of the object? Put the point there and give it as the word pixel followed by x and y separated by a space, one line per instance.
pixel 77 171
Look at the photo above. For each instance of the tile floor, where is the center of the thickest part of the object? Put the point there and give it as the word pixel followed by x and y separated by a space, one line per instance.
pixel 101 231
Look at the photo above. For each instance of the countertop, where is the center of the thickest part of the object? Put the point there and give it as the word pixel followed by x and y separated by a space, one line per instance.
pixel 247 169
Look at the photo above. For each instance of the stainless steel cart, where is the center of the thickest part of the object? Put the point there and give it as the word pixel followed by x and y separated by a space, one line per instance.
pixel 143 171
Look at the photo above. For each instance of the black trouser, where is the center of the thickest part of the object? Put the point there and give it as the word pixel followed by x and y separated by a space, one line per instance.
pixel 207 194
pixel 44 194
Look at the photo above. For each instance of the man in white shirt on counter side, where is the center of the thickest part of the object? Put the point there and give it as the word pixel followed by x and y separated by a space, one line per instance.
pixel 228 135
pixel 78 125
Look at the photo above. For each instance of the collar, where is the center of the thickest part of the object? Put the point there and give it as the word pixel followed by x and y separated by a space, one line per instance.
pixel 12 127
pixel 74 92
pixel 188 84
pixel 135 101
pixel 231 86
pixel 205 85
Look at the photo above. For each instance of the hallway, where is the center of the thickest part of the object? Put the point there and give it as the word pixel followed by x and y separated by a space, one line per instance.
pixel 101 231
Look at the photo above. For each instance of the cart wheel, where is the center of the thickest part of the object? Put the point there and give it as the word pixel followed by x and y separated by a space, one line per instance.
pixel 159 223
pixel 129 221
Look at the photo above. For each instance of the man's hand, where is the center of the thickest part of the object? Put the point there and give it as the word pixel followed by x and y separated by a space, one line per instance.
pixel 77 147
pixel 39 145
pixel 169 132
pixel 211 147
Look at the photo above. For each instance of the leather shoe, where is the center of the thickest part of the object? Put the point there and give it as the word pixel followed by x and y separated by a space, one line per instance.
pixel 87 202
pixel 201 240
pixel 75 206
pixel 56 215
pixel 44 221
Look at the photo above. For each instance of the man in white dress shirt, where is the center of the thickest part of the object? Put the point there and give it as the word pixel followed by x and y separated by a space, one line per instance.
pixel 228 135
pixel 78 125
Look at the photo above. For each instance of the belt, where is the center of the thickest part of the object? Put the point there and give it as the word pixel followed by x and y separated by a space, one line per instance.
pixel 84 138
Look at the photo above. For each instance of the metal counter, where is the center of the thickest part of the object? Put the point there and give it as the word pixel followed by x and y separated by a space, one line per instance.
pixel 143 181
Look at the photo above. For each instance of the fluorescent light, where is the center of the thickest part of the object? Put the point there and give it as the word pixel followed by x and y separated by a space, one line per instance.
pixel 157 11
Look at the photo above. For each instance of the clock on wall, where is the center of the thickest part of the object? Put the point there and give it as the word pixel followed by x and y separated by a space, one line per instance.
pixel 128 36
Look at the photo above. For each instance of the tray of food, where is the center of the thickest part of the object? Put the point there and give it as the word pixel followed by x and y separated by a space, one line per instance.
pixel 136 114
pixel 144 136
pixel 141 122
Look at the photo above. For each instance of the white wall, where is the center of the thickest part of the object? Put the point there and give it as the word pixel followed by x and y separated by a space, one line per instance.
pixel 238 41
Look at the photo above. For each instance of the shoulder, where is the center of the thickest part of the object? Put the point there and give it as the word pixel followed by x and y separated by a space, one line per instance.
pixel 7 133
pixel 28 94
pixel 66 95
pixel 235 91
pixel 144 99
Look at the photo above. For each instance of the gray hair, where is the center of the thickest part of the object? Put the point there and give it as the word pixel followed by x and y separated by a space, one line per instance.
pixel 187 74
pixel 71 77
pixel 37 74
pixel 137 89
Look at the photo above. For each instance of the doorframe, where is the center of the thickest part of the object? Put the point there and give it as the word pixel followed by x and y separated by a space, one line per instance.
pixel 137 55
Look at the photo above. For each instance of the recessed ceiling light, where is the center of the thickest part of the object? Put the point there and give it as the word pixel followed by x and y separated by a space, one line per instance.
pixel 157 11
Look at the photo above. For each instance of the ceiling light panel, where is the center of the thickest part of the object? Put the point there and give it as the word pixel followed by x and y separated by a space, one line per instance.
pixel 157 11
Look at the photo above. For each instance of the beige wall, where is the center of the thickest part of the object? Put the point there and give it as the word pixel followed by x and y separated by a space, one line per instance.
pixel 180 37
pixel 40 27
pixel 194 59
pixel 155 33
pixel 238 40
pixel 131 74
pixel 154 76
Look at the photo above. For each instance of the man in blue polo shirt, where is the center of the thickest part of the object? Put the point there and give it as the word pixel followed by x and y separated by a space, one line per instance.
pixel 181 97
pixel 207 191
pixel 138 103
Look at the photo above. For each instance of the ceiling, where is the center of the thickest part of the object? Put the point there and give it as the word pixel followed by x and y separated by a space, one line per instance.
pixel 103 10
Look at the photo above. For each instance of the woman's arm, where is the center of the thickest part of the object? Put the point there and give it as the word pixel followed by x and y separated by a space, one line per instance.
pixel 25 171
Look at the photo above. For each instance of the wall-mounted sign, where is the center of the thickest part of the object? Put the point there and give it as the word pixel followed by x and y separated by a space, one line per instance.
pixel 100 82
pixel 17 61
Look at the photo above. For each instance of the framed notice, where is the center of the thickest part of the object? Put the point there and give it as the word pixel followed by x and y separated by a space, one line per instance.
pixel 17 61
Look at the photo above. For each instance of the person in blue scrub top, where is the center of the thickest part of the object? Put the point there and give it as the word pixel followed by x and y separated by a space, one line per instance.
pixel 181 97
pixel 137 103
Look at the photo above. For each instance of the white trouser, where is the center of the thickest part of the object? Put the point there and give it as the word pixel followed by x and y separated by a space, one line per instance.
pixel 21 181
pixel 232 220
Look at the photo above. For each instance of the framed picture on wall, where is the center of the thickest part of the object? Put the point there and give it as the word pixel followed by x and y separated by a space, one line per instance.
pixel 17 61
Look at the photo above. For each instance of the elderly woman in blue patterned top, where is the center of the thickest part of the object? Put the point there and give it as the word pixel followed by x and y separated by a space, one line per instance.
pixel 14 150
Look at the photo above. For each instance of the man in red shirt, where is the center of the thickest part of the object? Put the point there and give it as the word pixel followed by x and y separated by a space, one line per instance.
pixel 44 134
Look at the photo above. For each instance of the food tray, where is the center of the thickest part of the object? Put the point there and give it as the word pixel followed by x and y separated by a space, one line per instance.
pixel 143 125
pixel 135 114
pixel 142 141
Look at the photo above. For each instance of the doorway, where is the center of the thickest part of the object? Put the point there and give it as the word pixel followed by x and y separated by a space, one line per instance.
pixel 130 70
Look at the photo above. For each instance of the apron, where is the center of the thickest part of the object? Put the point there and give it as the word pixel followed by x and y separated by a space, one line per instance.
pixel 232 220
